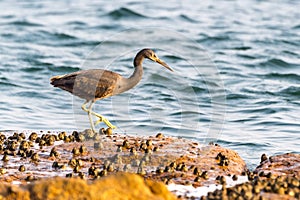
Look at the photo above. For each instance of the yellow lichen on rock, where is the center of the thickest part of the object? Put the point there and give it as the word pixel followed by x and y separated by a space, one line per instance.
pixel 119 186
pixel 12 192
pixel 159 189
pixel 59 189
pixel 130 186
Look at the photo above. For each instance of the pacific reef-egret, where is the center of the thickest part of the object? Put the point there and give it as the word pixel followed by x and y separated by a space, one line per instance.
pixel 96 84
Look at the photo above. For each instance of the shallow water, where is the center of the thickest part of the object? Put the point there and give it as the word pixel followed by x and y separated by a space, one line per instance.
pixel 236 63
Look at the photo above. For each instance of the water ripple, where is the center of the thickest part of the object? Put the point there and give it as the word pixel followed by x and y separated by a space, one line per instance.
pixel 292 91
pixel 187 18
pixel 124 12
pixel 24 23
pixel 63 69
pixel 277 63
pixel 287 77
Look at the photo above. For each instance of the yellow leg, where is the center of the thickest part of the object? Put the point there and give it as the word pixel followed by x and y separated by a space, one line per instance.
pixel 100 117
pixel 88 110
pixel 103 119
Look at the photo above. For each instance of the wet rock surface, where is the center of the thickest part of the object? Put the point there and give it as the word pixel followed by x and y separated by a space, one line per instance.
pixel 280 165
pixel 200 166
pixel 276 178
pixel 276 188
pixel 91 156
pixel 34 163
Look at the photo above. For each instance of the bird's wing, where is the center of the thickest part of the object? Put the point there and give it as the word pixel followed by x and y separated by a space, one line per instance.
pixel 88 84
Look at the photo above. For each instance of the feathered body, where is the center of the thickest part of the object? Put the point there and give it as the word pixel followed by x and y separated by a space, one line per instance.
pixel 96 84
pixel 93 84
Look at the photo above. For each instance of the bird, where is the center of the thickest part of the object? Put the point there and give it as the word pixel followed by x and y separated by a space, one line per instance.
pixel 96 84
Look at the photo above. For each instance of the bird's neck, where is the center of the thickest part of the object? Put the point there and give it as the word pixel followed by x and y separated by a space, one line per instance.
pixel 136 76
pixel 138 60
pixel 138 71
pixel 128 83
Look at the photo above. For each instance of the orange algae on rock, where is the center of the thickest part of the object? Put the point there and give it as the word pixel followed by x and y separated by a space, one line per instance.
pixel 130 186
pixel 159 189
pixel 11 192
pixel 59 189
pixel 119 186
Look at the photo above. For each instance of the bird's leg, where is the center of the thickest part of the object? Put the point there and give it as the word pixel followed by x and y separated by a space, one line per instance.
pixel 100 117
pixel 83 107
pixel 89 111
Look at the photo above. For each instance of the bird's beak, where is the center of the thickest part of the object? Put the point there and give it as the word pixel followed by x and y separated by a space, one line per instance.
pixel 163 64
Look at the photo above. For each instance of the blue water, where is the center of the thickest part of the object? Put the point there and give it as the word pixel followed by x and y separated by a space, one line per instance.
pixel 236 79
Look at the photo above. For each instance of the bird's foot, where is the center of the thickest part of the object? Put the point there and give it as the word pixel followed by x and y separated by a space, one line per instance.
pixel 100 117
pixel 109 124
pixel 98 121
pixel 103 119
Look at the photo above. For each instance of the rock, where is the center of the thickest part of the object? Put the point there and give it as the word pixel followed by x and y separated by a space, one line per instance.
pixel 285 164
pixel 114 187
pixel 60 188
pixel 162 158
pixel 201 166
pixel 261 188
pixel 13 192
pixel 179 161
pixel 130 186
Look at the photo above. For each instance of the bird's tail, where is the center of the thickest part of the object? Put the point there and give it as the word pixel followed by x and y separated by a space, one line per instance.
pixel 55 80
pixel 63 81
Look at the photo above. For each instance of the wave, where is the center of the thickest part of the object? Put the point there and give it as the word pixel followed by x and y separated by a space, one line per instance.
pixel 60 39
pixel 24 23
pixel 276 62
pixel 217 38
pixel 32 69
pixel 242 48
pixel 188 19
pixel 243 143
pixel 107 27
pixel 80 43
pixel 124 13
pixel 57 36
pixel 238 96
pixel 290 77
pixel 7 84
pixel 31 94
pixel 290 91
pixel 173 57
pixel 296 27
pixel 63 69
pixel 76 23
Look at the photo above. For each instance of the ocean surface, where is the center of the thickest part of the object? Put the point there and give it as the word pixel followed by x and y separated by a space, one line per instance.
pixel 236 78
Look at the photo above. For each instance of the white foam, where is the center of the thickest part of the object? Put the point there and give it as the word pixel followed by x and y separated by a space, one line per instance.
pixel 16 183
pixel 190 191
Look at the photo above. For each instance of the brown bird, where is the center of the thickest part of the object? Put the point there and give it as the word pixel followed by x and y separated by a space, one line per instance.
pixel 96 84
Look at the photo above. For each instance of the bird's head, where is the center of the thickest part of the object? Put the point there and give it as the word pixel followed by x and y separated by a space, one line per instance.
pixel 152 56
